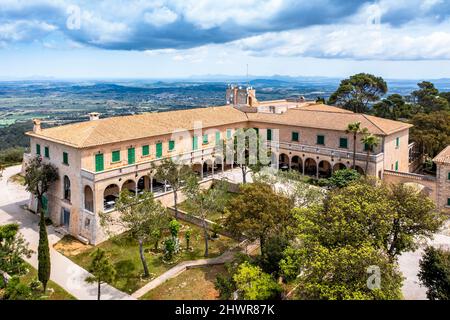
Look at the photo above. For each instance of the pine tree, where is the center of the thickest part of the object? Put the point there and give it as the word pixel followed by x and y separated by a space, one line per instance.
pixel 102 270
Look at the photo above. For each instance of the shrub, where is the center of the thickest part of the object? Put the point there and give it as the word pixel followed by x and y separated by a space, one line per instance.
pixel 435 273
pixel 174 227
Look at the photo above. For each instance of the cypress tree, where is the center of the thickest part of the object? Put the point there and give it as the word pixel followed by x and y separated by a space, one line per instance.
pixel 43 253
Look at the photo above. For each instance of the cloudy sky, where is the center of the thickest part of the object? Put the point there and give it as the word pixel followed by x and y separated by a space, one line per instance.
pixel 179 38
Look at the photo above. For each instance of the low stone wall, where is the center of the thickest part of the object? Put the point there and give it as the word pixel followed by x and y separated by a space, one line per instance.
pixel 429 182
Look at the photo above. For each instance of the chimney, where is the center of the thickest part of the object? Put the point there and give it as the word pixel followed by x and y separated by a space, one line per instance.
pixel 36 125
pixel 94 116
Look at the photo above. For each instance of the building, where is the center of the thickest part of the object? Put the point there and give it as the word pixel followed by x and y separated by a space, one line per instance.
pixel 98 158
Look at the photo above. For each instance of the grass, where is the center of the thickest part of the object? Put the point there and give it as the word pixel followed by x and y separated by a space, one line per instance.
pixel 18 179
pixel 217 216
pixel 124 254
pixel 192 284
pixel 54 291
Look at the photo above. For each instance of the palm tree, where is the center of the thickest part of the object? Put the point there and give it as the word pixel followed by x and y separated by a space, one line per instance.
pixel 370 141
pixel 354 128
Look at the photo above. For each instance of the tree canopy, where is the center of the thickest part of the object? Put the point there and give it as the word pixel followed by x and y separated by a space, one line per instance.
pixel 435 273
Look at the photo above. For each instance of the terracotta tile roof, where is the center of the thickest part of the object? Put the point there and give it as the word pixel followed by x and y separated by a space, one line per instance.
pixel 123 128
pixel 326 117
pixel 443 156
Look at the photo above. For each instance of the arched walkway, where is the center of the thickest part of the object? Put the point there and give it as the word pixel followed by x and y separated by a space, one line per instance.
pixel 197 168
pixel 310 167
pixel 110 195
pixel 296 164
pixel 324 169
pixel 143 184
pixel 359 169
pixel 208 168
pixel 339 166
pixel 283 161
pixel 129 185
pixel 88 199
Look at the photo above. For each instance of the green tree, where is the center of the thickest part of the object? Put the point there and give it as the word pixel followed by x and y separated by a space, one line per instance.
pixel 13 248
pixel 431 132
pixel 435 273
pixel 39 177
pixel 355 129
pixel 142 216
pixel 258 212
pixel 356 92
pixel 102 270
pixel 341 273
pixel 371 142
pixel 253 284
pixel 393 107
pixel 204 202
pixel 175 174
pixel 427 97
pixel 342 178
pixel 17 290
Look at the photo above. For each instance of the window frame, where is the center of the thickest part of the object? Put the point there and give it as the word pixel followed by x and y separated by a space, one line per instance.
pixel 171 144
pixel 323 140
pixel 293 134
pixel 65 158
pixel 112 156
pixel 47 152
pixel 145 150
pixel 346 142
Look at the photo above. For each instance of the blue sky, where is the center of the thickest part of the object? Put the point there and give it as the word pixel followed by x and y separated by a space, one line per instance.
pixel 179 38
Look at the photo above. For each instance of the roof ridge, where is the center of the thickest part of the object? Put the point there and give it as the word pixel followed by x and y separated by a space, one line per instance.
pixel 365 116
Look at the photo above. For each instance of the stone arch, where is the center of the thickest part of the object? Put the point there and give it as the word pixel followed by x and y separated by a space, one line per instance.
pixel 143 184
pixel 297 164
pixel 359 169
pixel 197 167
pixel 310 167
pixel 325 169
pixel 283 161
pixel 129 185
pixel 339 166
pixel 88 199
pixel 207 167
pixel 110 195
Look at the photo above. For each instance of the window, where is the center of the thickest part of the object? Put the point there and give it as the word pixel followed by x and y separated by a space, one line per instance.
pixel 131 156
pixel 228 133
pixel 194 143
pixel 397 142
pixel 145 150
pixel 47 152
pixel 38 149
pixel 321 139
pixel 217 137
pixel 159 150
pixel 448 201
pixel 448 175
pixel 343 143
pixel 269 134
pixel 115 156
pixel 65 158
pixel 99 166
pixel 66 188
pixel 171 145
pixel 205 139
pixel 396 165
pixel 295 136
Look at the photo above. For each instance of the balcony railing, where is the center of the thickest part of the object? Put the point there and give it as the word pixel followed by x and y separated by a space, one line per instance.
pixel 325 151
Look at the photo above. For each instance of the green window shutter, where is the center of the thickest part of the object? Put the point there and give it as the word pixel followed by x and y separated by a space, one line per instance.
pixel 99 165
pixel 205 139
pixel 171 145
pixel 448 201
pixel 294 136
pixel 131 156
pixel 448 176
pixel 228 133
pixel 217 137
pixel 47 152
pixel 397 142
pixel 343 143
pixel 115 156
pixel 396 165
pixel 159 150
pixel 269 134
pixel 194 143
pixel 320 139
pixel 145 150
pixel 366 147
pixel 65 158
pixel 38 149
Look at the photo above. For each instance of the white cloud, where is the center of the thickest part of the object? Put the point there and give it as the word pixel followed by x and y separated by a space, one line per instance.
pixel 160 16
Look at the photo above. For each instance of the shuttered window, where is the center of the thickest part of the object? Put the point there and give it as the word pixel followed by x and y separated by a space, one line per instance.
pixel 217 137
pixel 295 136
pixel 99 165
pixel 397 142
pixel 194 143
pixel 145 150
pixel 228 133
pixel 131 155
pixel 205 139
pixel 448 201
pixel 321 139
pixel 171 145
pixel 115 156
pixel 269 134
pixel 66 158
pixel 47 152
pixel 396 165
pixel 448 176
pixel 343 143
pixel 38 149
pixel 159 150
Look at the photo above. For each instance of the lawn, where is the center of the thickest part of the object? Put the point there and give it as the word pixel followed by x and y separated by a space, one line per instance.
pixel 193 284
pixel 124 254
pixel 54 291
pixel 217 216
